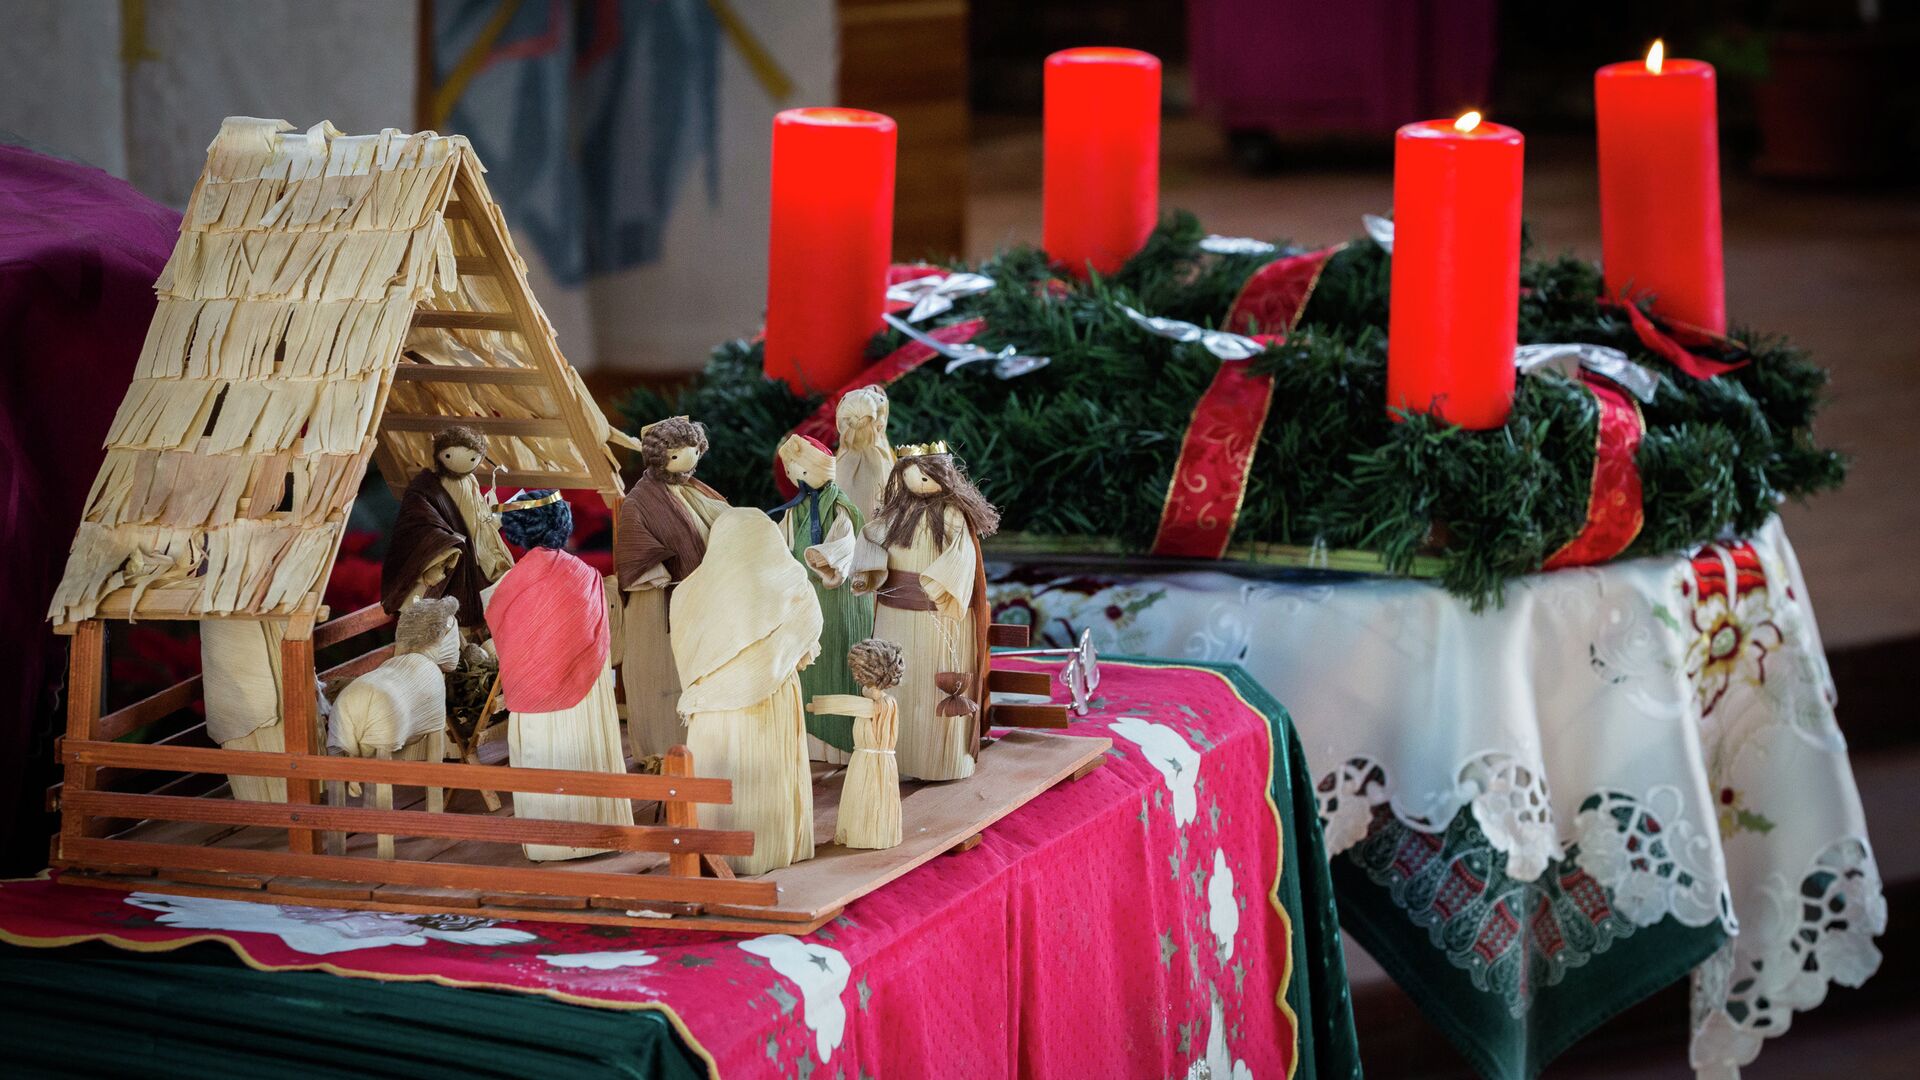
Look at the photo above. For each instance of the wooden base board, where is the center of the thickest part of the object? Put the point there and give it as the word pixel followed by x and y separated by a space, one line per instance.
pixel 935 817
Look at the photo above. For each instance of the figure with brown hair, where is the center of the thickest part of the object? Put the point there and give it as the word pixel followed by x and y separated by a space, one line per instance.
pixel 932 600
pixel 446 538
pixel 870 799
pixel 662 537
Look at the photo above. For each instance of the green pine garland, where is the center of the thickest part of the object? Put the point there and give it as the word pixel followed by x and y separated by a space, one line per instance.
pixel 1086 446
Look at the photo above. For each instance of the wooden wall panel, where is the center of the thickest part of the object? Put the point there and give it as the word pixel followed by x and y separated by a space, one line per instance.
pixel 908 59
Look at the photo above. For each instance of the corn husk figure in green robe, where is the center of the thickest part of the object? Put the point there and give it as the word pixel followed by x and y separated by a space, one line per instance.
pixel 823 528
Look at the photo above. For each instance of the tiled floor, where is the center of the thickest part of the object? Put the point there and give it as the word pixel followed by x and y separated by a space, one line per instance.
pixel 1837 271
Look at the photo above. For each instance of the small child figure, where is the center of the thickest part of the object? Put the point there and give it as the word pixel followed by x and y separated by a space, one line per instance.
pixel 870 800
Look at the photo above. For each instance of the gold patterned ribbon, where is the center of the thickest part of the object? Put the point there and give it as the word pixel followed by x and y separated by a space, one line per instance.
pixel 1209 481
pixel 1615 513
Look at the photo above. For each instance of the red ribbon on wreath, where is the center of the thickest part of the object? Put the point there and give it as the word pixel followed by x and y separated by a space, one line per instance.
pixel 1209 481
pixel 1670 340
pixel 1615 508
pixel 1615 511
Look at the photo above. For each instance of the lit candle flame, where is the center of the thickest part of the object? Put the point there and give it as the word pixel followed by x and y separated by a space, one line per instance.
pixel 1656 56
pixel 1467 122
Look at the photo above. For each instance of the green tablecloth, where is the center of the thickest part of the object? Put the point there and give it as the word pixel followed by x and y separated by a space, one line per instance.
pixel 93 1010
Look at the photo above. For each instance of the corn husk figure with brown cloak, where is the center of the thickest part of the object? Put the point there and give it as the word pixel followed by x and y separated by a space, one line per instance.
pixel 662 538
pixel 551 631
pixel 869 814
pixel 744 624
pixel 822 528
pixel 446 538
pixel 932 600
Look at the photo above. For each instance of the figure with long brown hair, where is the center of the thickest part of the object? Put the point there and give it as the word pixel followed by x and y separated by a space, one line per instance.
pixel 932 600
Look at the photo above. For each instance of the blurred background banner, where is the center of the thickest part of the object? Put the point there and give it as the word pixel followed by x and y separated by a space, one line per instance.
pixel 602 111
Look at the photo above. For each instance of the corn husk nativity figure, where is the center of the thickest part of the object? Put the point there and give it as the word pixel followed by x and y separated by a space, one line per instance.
pixel 446 539
pixel 552 633
pixel 745 622
pixel 864 459
pixel 869 814
pixel 932 600
pixel 662 539
pixel 822 528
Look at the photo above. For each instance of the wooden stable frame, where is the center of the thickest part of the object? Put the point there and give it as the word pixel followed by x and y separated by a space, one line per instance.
pixel 180 839
pixel 693 876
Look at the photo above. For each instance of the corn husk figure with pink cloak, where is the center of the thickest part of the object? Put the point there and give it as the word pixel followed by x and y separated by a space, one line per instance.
pixel 932 601
pixel 549 621
pixel 744 625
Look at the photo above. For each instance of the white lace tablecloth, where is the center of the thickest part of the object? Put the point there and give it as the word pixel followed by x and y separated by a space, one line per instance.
pixel 1664 725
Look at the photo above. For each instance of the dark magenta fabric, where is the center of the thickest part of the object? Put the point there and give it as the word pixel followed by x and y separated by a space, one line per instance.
pixel 79 252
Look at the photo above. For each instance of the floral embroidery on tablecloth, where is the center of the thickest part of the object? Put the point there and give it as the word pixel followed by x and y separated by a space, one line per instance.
pixel 1059 609
pixel 1731 618
pixel 1806 936
pixel 1736 817
pixel 1349 798
pixel 1650 859
pixel 1511 808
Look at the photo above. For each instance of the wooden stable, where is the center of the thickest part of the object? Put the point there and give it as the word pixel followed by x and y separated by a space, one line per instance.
pixel 469 860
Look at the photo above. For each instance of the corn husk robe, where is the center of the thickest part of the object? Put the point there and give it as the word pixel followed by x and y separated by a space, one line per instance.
pixel 864 459
pixel 662 538
pixel 946 638
pixel 744 624
pixel 869 814
pixel 549 623
pixel 442 522
pixel 846 616
pixel 240 680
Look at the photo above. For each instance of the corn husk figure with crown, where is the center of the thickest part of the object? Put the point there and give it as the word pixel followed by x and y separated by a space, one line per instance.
pixel 822 528
pixel 932 600
pixel 870 799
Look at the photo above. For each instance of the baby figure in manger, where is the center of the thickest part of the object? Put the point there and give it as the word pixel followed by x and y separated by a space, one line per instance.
pixel 446 538
pixel 932 599
pixel 870 799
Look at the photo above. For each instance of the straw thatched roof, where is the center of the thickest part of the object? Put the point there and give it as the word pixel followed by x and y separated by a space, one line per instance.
pixel 332 300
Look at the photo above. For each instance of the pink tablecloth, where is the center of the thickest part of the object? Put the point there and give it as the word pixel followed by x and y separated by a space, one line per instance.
pixel 1136 922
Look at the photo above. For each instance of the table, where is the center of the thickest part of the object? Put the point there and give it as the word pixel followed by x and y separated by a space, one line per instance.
pixel 1542 813
pixel 1169 911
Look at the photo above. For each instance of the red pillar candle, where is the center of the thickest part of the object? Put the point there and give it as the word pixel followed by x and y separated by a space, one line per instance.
pixel 831 242
pixel 1659 137
pixel 1456 270
pixel 1102 179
